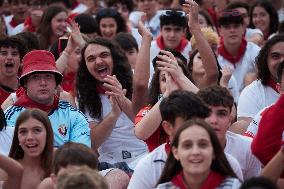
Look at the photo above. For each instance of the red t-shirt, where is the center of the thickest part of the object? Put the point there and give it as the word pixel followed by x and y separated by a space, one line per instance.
pixel 267 141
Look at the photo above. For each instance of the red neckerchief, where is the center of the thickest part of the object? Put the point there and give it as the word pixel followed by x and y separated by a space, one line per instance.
pixel 180 47
pixel 13 22
pixel 74 5
pixel 28 23
pixel 213 180
pixel 168 148
pixel 26 102
pixel 68 83
pixel 100 89
pixel 271 83
pixel 233 59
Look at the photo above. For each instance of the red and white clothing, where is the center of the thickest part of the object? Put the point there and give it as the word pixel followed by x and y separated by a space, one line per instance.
pixel 149 169
pixel 245 63
pixel 253 126
pixel 267 141
pixel 122 144
pixel 10 24
pixel 214 180
pixel 250 165
pixel 157 45
pixel 254 98
pixel 158 137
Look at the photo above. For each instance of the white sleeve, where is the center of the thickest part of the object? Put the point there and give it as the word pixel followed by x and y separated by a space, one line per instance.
pixel 235 166
pixel 142 176
pixel 248 104
pixel 253 126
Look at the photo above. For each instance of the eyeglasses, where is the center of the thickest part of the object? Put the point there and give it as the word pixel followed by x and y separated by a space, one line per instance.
pixel 230 14
pixel 173 13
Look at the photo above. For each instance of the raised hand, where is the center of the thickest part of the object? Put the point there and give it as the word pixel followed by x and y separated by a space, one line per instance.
pixel 226 76
pixel 142 30
pixel 167 62
pixel 192 9
pixel 75 38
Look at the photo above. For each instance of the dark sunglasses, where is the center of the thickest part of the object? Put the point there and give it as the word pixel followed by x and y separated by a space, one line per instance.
pixel 173 13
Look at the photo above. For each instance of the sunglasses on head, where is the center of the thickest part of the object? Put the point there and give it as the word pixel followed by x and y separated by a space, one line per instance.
pixel 174 13
pixel 231 14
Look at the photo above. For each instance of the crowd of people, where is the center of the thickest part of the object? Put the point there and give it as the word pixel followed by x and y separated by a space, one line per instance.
pixel 141 94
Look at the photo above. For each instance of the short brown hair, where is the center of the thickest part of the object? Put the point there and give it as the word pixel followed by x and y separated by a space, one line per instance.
pixel 80 177
pixel 216 96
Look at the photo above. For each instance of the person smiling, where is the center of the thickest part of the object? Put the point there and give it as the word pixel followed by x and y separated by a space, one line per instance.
pixel 52 26
pixel 104 85
pixel 196 160
pixel 32 146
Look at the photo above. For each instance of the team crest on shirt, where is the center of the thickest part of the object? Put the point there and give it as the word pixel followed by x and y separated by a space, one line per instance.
pixel 62 130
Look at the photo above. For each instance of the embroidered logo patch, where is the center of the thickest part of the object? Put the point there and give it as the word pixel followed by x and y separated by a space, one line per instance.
pixel 126 154
pixel 62 130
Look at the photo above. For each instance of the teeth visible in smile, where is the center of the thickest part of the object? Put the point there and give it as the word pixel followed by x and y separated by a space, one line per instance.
pixel 31 145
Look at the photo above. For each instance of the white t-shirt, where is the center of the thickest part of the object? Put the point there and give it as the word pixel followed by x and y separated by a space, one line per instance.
pixel 153 24
pixel 255 97
pixel 122 145
pixel 245 65
pixel 149 169
pixel 239 147
pixel 253 126
pixel 6 137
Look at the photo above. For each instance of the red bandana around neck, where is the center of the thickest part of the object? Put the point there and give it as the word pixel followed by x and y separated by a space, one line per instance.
pixel 213 180
pixel 271 83
pixel 25 101
pixel 233 59
pixel 28 23
pixel 180 47
pixel 100 89
pixel 13 22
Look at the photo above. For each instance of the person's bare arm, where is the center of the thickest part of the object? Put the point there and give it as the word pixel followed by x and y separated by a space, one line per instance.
pixel 142 70
pixel 239 127
pixel 208 58
pixel 274 167
pixel 75 39
pixel 152 120
pixel 101 131
pixel 14 170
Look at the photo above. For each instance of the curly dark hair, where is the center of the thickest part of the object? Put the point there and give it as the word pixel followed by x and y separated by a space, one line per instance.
pixel 88 96
pixel 216 95
pixel 262 58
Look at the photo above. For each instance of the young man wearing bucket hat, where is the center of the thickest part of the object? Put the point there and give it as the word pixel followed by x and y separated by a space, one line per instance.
pixel 40 80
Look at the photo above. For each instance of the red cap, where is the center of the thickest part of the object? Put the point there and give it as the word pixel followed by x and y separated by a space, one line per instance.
pixel 39 61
